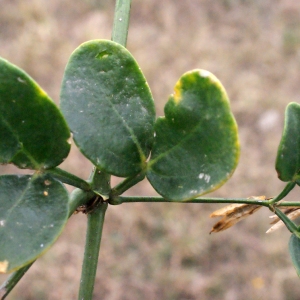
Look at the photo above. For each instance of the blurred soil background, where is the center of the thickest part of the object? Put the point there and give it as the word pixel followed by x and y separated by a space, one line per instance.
pixel 164 251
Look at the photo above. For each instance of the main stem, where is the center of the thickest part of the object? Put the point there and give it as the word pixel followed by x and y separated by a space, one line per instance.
pixel 101 183
pixel 91 254
pixel 121 22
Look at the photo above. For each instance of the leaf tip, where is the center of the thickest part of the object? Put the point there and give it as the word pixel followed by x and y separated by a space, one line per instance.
pixel 213 79
pixel 177 92
pixel 204 73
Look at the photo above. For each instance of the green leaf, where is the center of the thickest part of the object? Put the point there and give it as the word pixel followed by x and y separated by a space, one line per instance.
pixel 109 107
pixel 34 210
pixel 196 146
pixel 33 132
pixel 294 248
pixel 288 154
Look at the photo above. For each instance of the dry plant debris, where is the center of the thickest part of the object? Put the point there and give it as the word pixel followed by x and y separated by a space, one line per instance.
pixel 292 212
pixel 234 213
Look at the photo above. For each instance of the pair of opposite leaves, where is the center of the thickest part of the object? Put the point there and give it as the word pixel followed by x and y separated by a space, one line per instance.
pixel 194 148
pixel 109 108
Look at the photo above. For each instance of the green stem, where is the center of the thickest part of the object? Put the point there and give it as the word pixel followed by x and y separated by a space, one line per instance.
pixel 100 182
pixel 91 254
pixel 121 22
pixel 288 203
pixel 12 280
pixel 119 35
pixel 69 178
pixel 285 191
pixel 196 200
pixel 124 186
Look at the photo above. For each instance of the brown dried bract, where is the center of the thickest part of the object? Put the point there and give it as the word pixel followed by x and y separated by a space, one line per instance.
pixel 234 213
pixel 292 212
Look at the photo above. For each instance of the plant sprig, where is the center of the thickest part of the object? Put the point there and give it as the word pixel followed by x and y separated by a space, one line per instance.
pixel 107 103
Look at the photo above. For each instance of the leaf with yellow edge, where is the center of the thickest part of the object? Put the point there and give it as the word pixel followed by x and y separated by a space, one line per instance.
pixel 196 147
pixel 33 132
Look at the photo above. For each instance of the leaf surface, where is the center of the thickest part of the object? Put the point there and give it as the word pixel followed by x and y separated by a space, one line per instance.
pixel 109 107
pixel 196 146
pixel 33 132
pixel 34 210
pixel 288 154
pixel 294 249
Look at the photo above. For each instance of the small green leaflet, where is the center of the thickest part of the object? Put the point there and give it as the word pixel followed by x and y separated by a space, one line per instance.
pixel 34 210
pixel 33 132
pixel 294 248
pixel 288 154
pixel 109 107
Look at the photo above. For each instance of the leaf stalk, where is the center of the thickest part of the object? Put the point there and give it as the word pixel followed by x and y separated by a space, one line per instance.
pixel 124 186
pixel 196 200
pixel 69 178
pixel 284 192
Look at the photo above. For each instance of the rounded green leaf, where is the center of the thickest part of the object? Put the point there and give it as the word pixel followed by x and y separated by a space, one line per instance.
pixel 288 154
pixel 196 147
pixel 294 249
pixel 34 210
pixel 109 107
pixel 33 132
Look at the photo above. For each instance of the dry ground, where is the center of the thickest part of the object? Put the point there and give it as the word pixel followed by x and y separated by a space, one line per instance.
pixel 164 251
